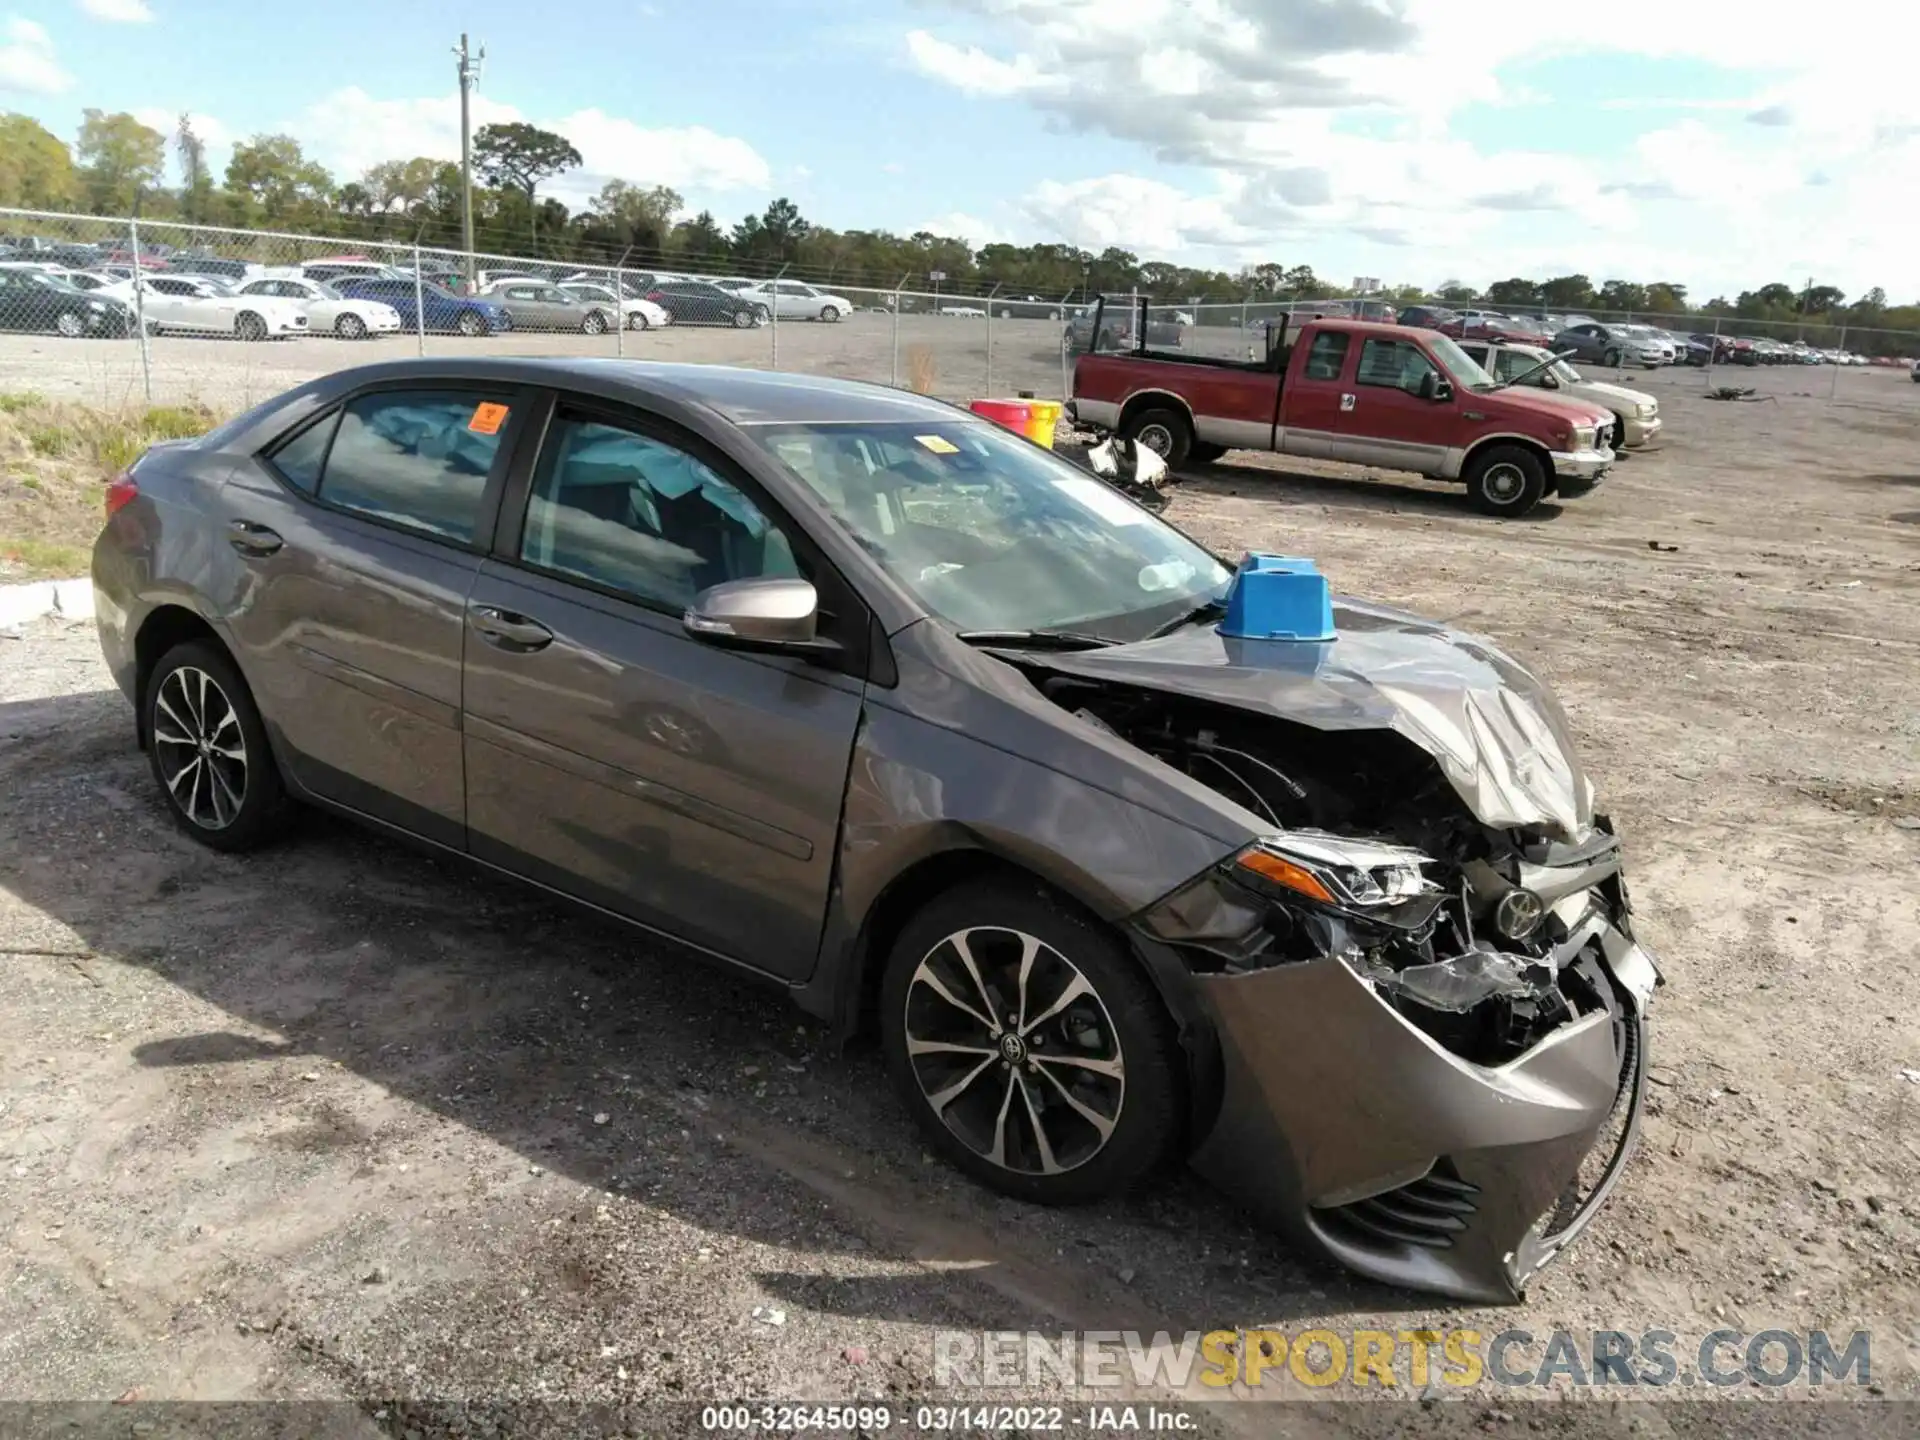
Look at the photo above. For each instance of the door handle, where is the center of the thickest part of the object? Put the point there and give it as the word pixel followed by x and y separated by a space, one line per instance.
pixel 508 630
pixel 251 539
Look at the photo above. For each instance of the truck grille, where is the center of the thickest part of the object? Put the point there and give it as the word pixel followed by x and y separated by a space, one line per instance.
pixel 1429 1211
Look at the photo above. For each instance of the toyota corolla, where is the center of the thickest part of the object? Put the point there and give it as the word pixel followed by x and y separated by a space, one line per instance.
pixel 852 692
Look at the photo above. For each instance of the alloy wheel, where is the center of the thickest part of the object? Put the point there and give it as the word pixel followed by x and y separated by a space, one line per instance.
pixel 203 759
pixel 70 325
pixel 1014 1050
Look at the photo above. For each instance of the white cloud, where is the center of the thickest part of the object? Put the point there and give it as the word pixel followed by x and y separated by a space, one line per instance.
pixel 123 12
pixel 1248 98
pixel 27 61
pixel 351 130
pixel 970 228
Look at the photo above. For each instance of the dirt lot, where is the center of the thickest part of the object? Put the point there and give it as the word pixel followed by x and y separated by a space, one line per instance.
pixel 344 1121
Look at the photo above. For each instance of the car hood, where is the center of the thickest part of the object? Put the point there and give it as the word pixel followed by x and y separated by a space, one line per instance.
pixel 1602 392
pixel 1538 402
pixel 1496 732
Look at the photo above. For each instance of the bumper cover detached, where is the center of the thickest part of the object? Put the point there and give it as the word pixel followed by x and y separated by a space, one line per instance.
pixel 1343 1124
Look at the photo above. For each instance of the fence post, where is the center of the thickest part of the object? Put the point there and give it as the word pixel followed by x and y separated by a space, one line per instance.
pixel 419 299
pixel 1834 388
pixel 140 312
pixel 896 330
pixel 1713 351
pixel 773 308
pixel 996 291
pixel 620 305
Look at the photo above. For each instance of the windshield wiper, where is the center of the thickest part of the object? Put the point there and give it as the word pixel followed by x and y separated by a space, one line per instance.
pixel 1036 639
pixel 1206 610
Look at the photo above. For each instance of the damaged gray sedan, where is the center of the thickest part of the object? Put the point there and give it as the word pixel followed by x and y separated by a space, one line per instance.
pixel 860 695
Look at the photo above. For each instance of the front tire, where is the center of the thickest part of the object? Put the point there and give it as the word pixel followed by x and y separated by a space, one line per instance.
pixel 350 327
pixel 1165 432
pixel 1506 481
pixel 71 324
pixel 594 324
pixel 250 327
pixel 470 325
pixel 1611 359
pixel 830 313
pixel 743 320
pixel 637 321
pixel 1028 1045
pixel 207 747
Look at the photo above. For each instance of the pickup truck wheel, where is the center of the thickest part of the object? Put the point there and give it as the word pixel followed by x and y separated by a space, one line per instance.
pixel 1165 432
pixel 1506 481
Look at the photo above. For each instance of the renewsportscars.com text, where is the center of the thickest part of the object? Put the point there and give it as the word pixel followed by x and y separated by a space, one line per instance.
pixel 1320 1359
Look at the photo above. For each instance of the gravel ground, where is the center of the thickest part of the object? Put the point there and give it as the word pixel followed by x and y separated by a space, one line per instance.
pixel 343 1121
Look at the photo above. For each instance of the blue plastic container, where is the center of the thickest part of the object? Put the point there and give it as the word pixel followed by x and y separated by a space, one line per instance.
pixel 1278 597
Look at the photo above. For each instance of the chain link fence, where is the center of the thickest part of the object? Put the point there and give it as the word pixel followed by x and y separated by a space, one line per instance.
pixel 118 310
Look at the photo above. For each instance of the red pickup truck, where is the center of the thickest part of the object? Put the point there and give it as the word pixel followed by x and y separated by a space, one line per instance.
pixel 1385 395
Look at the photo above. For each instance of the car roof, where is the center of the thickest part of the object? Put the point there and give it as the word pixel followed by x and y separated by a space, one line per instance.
pixel 739 396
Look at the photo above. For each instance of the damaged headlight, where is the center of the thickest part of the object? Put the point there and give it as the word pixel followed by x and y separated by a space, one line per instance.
pixel 1363 875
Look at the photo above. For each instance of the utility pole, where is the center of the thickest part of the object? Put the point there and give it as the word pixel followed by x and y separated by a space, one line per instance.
pixel 469 77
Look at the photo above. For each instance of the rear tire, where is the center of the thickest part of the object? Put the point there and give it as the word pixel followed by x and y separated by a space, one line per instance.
pixel 350 327
pixel 1506 480
pixel 1101 1084
pixel 1165 432
pixel 594 324
pixel 207 747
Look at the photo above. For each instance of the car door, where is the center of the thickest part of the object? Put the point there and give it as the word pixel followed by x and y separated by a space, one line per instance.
pixel 20 308
pixel 357 540
pixel 610 755
pixel 1384 420
pixel 1311 400
pixel 562 310
pixel 168 302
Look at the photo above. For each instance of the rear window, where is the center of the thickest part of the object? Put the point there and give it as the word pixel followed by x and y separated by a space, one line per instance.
pixel 419 459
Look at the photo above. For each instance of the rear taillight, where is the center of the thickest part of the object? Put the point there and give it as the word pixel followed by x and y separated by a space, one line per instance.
pixel 656 296
pixel 121 491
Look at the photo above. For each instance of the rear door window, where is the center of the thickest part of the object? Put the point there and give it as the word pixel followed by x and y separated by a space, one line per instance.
pixel 419 459
pixel 1328 356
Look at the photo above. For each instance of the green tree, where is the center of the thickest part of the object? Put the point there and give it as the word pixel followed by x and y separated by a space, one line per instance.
pixel 274 173
pixel 1820 300
pixel 632 216
pixel 1515 292
pixel 519 156
pixel 1623 295
pixel 1300 283
pixel 119 157
pixel 1455 292
pixel 1666 297
pixel 36 169
pixel 196 182
pixel 403 184
pixel 1755 304
pixel 773 236
pixel 697 239
pixel 1567 292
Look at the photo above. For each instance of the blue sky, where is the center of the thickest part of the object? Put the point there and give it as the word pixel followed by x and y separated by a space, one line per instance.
pixel 1415 140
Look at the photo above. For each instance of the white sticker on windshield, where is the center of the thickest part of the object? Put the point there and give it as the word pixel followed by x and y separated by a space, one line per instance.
pixel 1167 575
pixel 1108 504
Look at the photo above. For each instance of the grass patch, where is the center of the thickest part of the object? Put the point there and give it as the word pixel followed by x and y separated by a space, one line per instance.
pixel 55 458
pixel 22 558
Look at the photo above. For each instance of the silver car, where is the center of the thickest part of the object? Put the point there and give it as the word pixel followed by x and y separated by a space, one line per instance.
pixel 536 305
pixel 852 693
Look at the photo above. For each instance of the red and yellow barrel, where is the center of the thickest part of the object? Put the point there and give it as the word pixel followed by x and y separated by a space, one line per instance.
pixel 1034 419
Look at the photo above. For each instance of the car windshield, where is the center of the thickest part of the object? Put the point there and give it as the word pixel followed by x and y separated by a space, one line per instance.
pixel 1457 363
pixel 1564 373
pixel 993 533
pixel 327 292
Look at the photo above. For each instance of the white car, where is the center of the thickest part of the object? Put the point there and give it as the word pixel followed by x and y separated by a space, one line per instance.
pixel 1652 346
pixel 328 311
pixel 969 310
pixel 198 304
pixel 1636 413
pixel 635 314
pixel 791 300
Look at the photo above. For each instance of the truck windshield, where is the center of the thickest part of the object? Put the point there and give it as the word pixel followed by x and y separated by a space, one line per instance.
pixel 991 532
pixel 1457 363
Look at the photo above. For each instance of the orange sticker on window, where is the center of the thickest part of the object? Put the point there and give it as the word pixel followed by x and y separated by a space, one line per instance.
pixel 487 418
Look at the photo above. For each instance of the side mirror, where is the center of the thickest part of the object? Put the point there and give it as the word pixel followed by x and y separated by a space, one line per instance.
pixel 766 613
pixel 1434 387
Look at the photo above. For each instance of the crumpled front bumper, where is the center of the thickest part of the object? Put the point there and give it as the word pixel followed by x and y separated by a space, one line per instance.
pixel 1581 464
pixel 1348 1127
